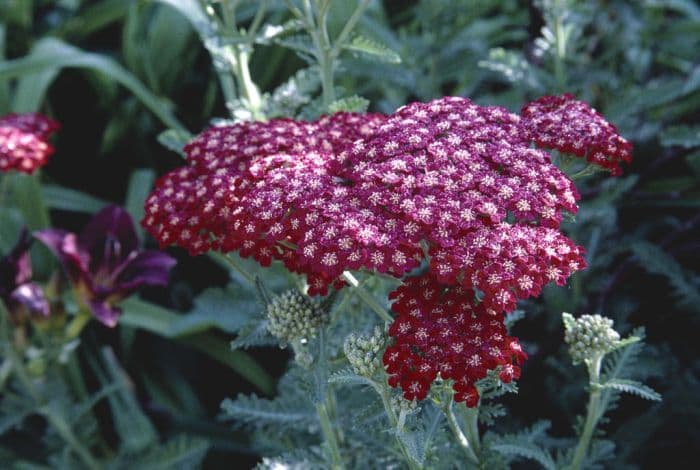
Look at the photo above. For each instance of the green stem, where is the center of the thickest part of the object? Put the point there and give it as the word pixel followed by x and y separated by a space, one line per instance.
pixel 248 88
pixel 322 407
pixel 383 392
pixel 329 435
pixel 367 297
pixel 347 29
pixel 57 422
pixel 471 418
pixel 592 416
pixel 75 327
pixel 462 440
pixel 560 53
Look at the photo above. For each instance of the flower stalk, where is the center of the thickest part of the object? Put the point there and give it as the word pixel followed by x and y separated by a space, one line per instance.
pixel 593 412
pixel 464 443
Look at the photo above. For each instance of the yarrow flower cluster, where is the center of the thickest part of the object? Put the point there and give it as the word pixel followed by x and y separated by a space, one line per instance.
pixel 24 142
pixel 442 330
pixel 573 127
pixel 590 336
pixel 448 182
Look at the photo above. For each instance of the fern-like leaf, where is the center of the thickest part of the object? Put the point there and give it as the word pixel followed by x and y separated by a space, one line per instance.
pixel 633 387
pixel 656 261
pixel 526 450
pixel 373 49
pixel 352 104
pixel 256 411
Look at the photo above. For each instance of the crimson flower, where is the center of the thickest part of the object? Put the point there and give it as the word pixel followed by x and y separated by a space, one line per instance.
pixel 104 262
pixel 441 330
pixel 24 141
pixel 449 183
pixel 16 288
pixel 573 127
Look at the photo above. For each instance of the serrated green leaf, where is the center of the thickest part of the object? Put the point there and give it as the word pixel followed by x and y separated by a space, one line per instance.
pixel 254 333
pixel 526 450
pixel 656 261
pixel 348 377
pixel 179 453
pixel 633 387
pixel 352 104
pixel 258 411
pixel 373 49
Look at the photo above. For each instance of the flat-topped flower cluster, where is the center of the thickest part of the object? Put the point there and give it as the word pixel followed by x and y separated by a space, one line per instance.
pixel 24 142
pixel 450 184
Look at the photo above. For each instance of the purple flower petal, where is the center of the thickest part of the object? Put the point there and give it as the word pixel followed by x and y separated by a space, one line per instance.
pixel 65 246
pixel 109 238
pixel 144 268
pixel 31 296
pixel 106 313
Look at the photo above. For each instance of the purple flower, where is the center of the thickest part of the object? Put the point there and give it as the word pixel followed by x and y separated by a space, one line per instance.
pixel 104 262
pixel 16 290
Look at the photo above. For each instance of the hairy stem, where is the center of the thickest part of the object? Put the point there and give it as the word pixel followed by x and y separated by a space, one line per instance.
pixel 329 435
pixel 462 440
pixel 592 416
pixel 471 418
pixel 394 422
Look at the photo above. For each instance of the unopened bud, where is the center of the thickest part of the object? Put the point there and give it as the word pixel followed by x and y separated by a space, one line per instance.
pixel 589 336
pixel 364 352
pixel 293 316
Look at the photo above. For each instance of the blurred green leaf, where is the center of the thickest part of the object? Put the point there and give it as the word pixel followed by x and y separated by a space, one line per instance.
pixel 373 49
pixel 140 183
pixel 159 320
pixel 174 140
pixel 67 199
pixel 683 136
pixel 51 54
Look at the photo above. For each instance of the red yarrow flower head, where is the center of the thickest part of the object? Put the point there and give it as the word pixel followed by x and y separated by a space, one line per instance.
pixel 365 191
pixel 24 142
pixel 573 127
pixel 441 330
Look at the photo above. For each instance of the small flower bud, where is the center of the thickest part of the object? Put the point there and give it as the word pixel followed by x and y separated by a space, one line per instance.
pixel 401 405
pixel 589 336
pixel 293 316
pixel 364 352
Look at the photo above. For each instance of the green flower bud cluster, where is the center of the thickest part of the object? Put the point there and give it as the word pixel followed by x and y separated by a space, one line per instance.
pixel 294 317
pixel 400 405
pixel 364 352
pixel 590 336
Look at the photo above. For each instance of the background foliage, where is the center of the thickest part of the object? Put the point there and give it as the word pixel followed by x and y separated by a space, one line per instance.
pixel 117 73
